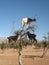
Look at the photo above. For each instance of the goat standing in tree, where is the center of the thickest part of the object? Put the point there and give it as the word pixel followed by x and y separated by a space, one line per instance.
pixel 13 38
pixel 32 37
pixel 27 21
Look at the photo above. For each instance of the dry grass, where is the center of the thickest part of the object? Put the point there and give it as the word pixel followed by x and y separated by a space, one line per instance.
pixel 30 56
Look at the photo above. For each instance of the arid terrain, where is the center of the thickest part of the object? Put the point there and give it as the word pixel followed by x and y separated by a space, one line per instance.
pixel 30 56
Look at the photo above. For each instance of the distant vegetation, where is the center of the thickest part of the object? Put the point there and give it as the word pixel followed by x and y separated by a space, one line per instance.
pixel 25 43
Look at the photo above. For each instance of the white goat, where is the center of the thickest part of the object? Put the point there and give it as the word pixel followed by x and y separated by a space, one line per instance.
pixel 27 21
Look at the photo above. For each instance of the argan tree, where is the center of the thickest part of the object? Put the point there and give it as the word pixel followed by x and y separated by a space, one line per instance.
pixel 21 34
pixel 20 46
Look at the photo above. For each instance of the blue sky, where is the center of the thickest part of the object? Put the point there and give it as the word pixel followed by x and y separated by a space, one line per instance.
pixel 15 10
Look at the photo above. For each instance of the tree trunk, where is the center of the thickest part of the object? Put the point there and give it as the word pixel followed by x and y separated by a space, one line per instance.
pixel 20 58
pixel 19 51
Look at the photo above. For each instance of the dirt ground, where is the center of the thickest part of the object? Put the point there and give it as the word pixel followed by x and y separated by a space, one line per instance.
pixel 30 56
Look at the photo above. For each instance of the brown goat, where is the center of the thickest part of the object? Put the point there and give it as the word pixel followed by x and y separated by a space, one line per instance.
pixel 12 38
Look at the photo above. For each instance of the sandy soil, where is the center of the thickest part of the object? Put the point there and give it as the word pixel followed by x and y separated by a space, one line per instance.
pixel 30 56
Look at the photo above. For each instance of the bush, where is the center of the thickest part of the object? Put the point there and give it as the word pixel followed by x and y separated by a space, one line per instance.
pixel 2 46
pixel 37 45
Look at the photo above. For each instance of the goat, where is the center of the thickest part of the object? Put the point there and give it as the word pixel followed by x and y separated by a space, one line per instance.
pixel 27 21
pixel 32 37
pixel 12 38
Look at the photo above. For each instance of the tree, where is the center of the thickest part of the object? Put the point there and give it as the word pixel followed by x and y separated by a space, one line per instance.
pixel 20 47
pixel 21 34
pixel 44 45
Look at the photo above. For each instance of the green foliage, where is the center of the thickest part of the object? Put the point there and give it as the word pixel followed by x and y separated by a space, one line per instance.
pixel 15 46
pixel 2 46
pixel 44 43
pixel 11 45
pixel 17 32
pixel 31 27
pixel 48 44
pixel 25 44
pixel 37 45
